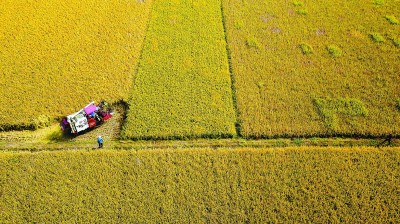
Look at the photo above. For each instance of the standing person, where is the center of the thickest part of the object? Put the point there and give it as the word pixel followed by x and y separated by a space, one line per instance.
pixel 100 141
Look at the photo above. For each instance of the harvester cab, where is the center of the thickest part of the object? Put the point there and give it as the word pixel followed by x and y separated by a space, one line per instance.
pixel 87 118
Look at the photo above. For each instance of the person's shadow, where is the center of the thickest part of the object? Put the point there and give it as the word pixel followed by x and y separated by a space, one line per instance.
pixel 387 140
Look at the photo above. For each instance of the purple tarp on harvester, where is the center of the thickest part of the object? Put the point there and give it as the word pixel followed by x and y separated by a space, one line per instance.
pixel 90 109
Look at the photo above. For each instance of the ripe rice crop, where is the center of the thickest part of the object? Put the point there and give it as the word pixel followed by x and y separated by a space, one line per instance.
pixel 56 56
pixel 336 50
pixel 183 86
pixel 293 185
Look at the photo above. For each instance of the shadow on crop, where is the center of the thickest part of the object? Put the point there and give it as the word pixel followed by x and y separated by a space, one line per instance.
pixel 57 135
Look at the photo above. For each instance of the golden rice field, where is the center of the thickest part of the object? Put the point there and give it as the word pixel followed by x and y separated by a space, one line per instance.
pixel 201 68
pixel 183 85
pixel 307 68
pixel 56 56
pixel 300 185
pixel 197 68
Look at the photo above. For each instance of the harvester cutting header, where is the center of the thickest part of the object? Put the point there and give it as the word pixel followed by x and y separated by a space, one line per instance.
pixel 87 118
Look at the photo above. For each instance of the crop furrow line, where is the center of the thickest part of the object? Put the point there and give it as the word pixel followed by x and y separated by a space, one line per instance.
pixel 232 74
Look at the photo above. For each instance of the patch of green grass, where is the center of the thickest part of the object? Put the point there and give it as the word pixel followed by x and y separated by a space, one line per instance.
pixel 280 143
pixel 252 42
pixel 334 51
pixel 392 20
pixel 396 42
pixel 306 49
pixel 302 12
pixel 298 3
pixel 330 109
pixel 238 25
pixel 377 37
pixel 378 2
pixel 261 84
pixel 298 141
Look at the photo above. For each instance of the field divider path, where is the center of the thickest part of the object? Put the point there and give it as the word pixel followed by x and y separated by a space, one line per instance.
pixel 29 145
pixel 232 75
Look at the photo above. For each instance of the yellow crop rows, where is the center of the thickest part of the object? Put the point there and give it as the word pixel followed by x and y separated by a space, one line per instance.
pixel 56 56
pixel 295 185
pixel 286 55
pixel 299 68
pixel 183 86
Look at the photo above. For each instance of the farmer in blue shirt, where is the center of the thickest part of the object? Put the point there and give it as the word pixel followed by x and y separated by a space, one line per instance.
pixel 100 141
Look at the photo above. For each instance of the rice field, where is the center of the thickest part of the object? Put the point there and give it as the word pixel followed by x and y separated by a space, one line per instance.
pixel 301 184
pixel 289 57
pixel 192 69
pixel 56 56
pixel 183 85
pixel 210 69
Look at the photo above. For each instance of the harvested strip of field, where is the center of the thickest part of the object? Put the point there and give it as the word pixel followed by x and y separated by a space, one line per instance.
pixel 315 185
pixel 56 56
pixel 183 86
pixel 312 68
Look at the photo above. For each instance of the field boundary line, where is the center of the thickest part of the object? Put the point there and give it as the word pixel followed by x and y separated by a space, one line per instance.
pixel 136 70
pixel 231 73
pixel 216 144
pixel 140 56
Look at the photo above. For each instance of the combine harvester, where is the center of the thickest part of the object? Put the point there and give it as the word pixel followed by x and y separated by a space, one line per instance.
pixel 87 118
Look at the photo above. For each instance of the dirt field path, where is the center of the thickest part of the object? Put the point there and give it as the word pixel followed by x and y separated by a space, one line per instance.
pixel 52 139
